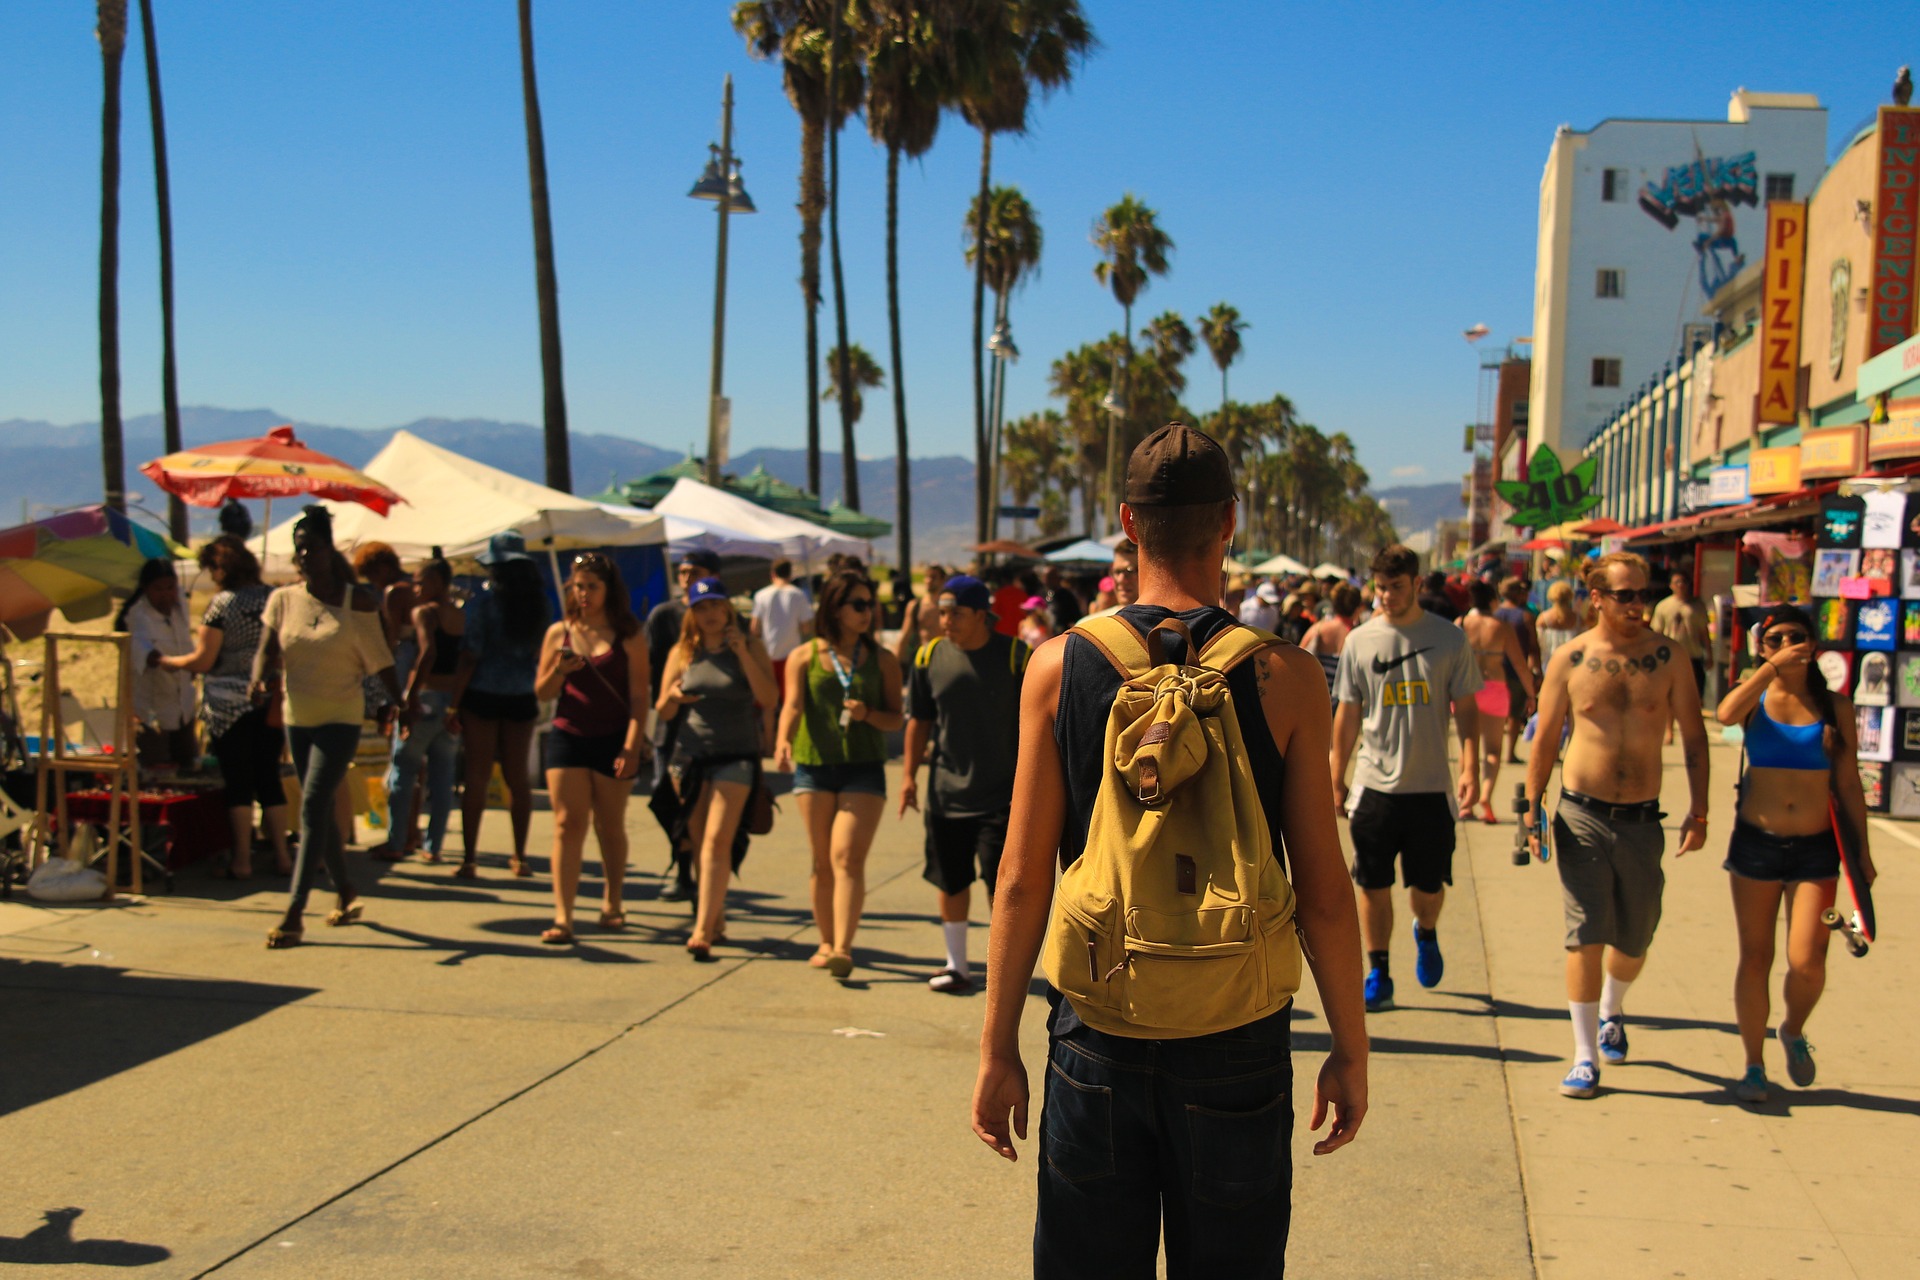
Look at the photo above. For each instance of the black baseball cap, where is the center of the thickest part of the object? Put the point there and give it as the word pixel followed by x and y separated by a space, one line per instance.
pixel 1178 466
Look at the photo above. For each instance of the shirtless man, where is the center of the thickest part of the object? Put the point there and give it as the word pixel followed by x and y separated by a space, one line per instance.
pixel 1495 645
pixel 920 624
pixel 1622 682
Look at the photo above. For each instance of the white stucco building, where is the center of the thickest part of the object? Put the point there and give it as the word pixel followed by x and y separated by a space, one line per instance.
pixel 1640 222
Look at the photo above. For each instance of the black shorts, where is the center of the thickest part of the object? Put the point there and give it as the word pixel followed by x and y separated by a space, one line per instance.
pixel 1760 855
pixel 954 845
pixel 1417 828
pixel 573 751
pixel 249 756
pixel 515 708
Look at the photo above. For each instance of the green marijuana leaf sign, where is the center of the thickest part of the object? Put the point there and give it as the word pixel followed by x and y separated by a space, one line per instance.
pixel 1549 495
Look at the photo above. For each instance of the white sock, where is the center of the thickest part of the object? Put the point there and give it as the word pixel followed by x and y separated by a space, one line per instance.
pixel 1586 1030
pixel 956 931
pixel 1612 993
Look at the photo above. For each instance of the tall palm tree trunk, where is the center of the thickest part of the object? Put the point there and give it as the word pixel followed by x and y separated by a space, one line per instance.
pixel 812 202
pixel 902 481
pixel 984 497
pixel 546 283
pixel 163 199
pixel 849 457
pixel 112 30
pixel 1116 425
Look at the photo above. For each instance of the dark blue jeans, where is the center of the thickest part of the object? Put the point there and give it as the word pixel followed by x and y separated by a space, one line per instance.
pixel 321 754
pixel 1196 1131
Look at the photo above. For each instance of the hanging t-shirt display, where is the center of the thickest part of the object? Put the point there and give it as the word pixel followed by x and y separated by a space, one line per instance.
pixel 1840 522
pixel 1873 685
pixel 1879 566
pixel 1833 623
pixel 1876 732
pixel 1907 745
pixel 1884 514
pixel 1906 680
pixel 1831 568
pixel 1836 668
pixel 1873 783
pixel 1903 790
pixel 1875 625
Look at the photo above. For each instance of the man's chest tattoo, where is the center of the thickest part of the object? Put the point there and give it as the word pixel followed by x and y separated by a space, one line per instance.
pixel 1646 664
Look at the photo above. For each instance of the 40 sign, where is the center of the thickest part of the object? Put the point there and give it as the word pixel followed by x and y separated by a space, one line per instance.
pixel 1549 495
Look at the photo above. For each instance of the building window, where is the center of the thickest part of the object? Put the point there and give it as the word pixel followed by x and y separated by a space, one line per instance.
pixel 1693 337
pixel 1610 282
pixel 1518 417
pixel 1613 185
pixel 1606 371
pixel 1779 186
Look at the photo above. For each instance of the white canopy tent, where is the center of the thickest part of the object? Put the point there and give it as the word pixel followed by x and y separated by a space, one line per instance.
pixel 1280 564
pixel 456 504
pixel 1085 551
pixel 685 534
pixel 1328 569
pixel 797 539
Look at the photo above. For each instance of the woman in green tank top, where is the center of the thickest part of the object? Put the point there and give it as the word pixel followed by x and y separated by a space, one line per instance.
pixel 842 699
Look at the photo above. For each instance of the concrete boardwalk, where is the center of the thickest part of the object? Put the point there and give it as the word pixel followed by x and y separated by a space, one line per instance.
pixel 433 1093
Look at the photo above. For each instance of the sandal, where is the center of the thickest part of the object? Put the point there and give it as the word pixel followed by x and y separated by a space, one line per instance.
pixel 349 914
pixel 282 938
pixel 468 870
pixel 819 958
pixel 840 964
pixel 700 951
pixel 614 920
pixel 557 936
pixel 385 852
pixel 518 866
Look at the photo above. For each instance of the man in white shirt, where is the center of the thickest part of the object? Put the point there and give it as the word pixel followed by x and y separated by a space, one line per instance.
pixel 1261 608
pixel 782 618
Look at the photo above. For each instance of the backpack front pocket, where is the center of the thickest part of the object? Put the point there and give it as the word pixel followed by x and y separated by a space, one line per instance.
pixel 1084 958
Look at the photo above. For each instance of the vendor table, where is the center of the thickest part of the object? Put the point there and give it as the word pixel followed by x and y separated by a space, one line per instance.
pixel 188 824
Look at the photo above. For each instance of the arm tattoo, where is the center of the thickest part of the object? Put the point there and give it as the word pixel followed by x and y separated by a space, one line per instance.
pixel 1261 673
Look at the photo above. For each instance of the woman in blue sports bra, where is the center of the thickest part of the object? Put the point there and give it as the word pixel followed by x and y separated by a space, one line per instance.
pixel 1800 748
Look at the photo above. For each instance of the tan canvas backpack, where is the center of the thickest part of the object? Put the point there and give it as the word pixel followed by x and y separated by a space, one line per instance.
pixel 1177 919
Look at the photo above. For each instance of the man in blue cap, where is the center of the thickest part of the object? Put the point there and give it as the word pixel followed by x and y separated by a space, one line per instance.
pixel 963 699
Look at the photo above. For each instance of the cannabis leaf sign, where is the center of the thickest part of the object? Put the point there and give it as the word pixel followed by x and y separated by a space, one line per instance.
pixel 1549 496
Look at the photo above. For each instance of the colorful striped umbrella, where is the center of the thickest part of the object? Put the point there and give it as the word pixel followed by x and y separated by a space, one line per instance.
pixel 40 572
pixel 271 466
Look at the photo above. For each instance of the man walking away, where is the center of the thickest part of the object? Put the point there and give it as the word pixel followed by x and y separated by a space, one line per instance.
pixel 662 630
pixel 1189 1135
pixel 963 697
pixel 1682 618
pixel 1398 672
pixel 782 618
pixel 1620 682
pixel 1514 612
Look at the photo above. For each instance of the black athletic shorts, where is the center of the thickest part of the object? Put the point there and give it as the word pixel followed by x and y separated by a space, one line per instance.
pixel 1417 828
pixel 956 845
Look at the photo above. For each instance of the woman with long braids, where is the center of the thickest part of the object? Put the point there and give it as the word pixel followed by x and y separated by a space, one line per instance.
pixel 325 635
pixel 723 677
pixel 1801 744
pixel 494 707
pixel 594 660
pixel 843 698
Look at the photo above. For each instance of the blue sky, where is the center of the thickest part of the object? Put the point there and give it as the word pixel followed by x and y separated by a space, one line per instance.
pixel 353 240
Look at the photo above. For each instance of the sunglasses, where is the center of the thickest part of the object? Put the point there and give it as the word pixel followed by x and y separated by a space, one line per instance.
pixel 1777 639
pixel 1645 595
pixel 860 604
pixel 687 570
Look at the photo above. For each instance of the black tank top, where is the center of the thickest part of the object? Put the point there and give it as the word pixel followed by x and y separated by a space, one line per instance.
pixel 446 650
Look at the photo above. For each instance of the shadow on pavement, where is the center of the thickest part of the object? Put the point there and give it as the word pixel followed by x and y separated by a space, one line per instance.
pixel 1785 1098
pixel 460 950
pixel 52 1242
pixel 1495 1007
pixel 69 1026
pixel 1321 1042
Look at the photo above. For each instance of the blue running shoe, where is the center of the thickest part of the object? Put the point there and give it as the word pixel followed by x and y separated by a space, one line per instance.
pixel 1613 1038
pixel 1581 1082
pixel 1428 964
pixel 1752 1087
pixel 1379 991
pixel 1799 1058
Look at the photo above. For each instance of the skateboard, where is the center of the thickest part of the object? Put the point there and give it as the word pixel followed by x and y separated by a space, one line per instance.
pixel 1523 811
pixel 1857 930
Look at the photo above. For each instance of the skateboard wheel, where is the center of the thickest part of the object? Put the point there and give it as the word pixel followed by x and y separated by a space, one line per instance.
pixel 1830 918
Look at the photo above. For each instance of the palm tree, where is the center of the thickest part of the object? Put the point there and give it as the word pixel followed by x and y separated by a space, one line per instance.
pixel 1081 377
pixel 861 373
pixel 840 77
pixel 546 283
pixel 1132 248
pixel 797 32
pixel 1006 49
pixel 1005 256
pixel 1220 329
pixel 169 380
pixel 909 80
pixel 111 28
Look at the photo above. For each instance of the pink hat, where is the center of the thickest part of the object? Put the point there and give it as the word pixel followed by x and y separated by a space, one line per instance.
pixel 1106 584
pixel 1034 602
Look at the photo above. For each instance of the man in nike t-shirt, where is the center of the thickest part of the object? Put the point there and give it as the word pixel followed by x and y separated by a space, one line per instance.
pixel 1400 672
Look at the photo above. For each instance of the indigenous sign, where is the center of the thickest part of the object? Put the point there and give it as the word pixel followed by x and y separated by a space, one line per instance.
pixel 1785 285
pixel 1896 202
pixel 1549 495
pixel 1832 452
pixel 1726 486
pixel 1773 470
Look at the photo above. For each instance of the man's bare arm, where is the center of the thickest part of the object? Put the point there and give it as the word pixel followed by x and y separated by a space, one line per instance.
pixel 1684 704
pixel 1553 717
pixel 1021 903
pixel 1346 732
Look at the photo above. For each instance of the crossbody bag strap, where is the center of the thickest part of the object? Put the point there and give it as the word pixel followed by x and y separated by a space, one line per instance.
pixel 626 703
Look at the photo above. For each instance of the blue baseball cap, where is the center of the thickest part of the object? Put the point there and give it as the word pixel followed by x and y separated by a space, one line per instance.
pixel 504 546
pixel 707 589
pixel 968 592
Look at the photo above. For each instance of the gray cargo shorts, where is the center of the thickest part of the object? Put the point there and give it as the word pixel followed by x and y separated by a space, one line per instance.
pixel 1610 878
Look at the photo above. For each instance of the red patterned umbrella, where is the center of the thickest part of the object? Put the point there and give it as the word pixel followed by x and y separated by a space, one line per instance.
pixel 271 466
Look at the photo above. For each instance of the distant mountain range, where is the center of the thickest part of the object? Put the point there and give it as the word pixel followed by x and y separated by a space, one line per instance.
pixel 1415 507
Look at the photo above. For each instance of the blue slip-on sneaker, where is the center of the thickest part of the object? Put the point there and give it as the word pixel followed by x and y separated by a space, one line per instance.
pixel 1379 991
pixel 1613 1038
pixel 1581 1082
pixel 1799 1058
pixel 1752 1087
pixel 1428 964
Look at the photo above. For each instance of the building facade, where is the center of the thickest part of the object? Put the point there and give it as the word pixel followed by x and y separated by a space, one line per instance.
pixel 1641 222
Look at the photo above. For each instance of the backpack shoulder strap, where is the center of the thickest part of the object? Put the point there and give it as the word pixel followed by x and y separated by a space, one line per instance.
pixel 1017 654
pixel 1234 645
pixel 925 656
pixel 1119 642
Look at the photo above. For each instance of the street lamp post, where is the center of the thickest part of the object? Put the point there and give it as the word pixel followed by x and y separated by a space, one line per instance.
pixel 1000 347
pixel 720 182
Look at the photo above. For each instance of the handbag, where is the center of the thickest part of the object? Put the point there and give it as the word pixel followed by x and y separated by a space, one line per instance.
pixel 758 818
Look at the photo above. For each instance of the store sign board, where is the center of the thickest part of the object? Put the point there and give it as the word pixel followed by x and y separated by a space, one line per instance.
pixel 1773 470
pixel 1896 203
pixel 1726 486
pixel 1899 438
pixel 1782 293
pixel 1550 495
pixel 1833 452
pixel 1889 369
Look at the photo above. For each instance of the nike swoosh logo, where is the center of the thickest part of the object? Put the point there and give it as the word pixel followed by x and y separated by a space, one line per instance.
pixel 1382 668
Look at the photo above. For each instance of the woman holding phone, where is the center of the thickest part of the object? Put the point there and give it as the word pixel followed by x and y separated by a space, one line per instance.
pixel 723 678
pixel 843 698
pixel 594 661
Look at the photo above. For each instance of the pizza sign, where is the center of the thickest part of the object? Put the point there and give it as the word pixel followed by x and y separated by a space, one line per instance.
pixel 1550 495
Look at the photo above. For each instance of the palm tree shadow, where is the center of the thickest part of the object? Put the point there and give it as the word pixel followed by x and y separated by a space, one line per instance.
pixel 460 951
pixel 52 1243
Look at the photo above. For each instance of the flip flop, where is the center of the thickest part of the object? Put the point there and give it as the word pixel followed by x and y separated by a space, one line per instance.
pixel 282 939
pixel 468 870
pixel 519 868
pixel 557 936
pixel 840 966
pixel 349 914
pixel 614 920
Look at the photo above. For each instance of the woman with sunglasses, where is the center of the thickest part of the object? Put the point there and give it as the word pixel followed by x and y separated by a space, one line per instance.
pixel 843 698
pixel 594 661
pixel 1800 750
pixel 722 677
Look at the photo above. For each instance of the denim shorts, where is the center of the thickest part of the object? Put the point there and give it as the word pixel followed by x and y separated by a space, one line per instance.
pixel 1760 855
pixel 867 779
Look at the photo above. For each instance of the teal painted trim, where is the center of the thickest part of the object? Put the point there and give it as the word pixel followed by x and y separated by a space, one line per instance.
pixel 1840 413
